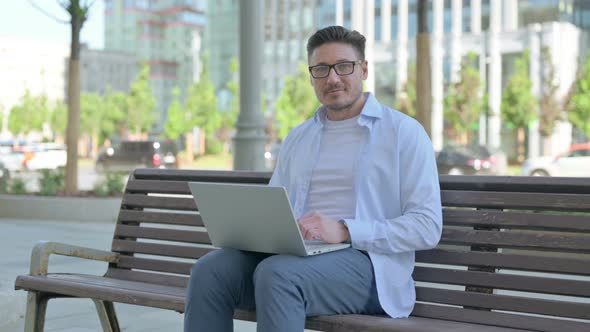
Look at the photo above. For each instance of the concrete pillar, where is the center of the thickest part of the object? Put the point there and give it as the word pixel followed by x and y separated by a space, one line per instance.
pixel 456 32
pixel 510 14
pixel 286 31
pixel 386 20
pixel 369 47
pixel 339 12
pixel 475 16
pixel 535 77
pixel 437 73
pixel 274 61
pixel 475 27
pixel 250 138
pixel 495 79
pixel 357 12
pixel 401 46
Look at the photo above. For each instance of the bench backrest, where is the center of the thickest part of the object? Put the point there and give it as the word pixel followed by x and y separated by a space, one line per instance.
pixel 515 251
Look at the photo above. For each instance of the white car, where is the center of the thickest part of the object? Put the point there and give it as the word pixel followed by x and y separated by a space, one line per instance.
pixel 45 156
pixel 574 162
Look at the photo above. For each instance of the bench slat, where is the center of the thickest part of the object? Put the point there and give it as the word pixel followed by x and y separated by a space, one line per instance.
pixel 163 234
pixel 158 186
pixel 157 265
pixel 201 175
pixel 158 249
pixel 148 277
pixel 503 281
pixel 185 219
pixel 577 266
pixel 159 202
pixel 517 220
pixel 498 318
pixel 553 184
pixel 518 200
pixel 504 302
pixel 519 239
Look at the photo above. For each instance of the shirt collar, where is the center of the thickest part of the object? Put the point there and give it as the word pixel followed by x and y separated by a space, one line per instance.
pixel 371 109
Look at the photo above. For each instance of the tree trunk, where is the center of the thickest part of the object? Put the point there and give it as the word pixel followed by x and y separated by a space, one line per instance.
pixel 520 134
pixel 73 129
pixel 423 79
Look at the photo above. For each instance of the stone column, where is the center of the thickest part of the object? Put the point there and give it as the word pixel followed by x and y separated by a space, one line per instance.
pixel 510 14
pixel 250 138
pixel 437 74
pixel 495 79
pixel 456 32
pixel 369 47
pixel 535 77
pixel 357 13
pixel 386 19
pixel 401 46
pixel 339 12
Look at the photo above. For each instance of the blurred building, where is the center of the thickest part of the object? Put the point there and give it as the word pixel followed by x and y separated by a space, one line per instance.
pixel 165 34
pixel 101 71
pixel 497 31
pixel 34 65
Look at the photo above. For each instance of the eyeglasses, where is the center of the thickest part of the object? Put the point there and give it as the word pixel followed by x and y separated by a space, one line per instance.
pixel 341 68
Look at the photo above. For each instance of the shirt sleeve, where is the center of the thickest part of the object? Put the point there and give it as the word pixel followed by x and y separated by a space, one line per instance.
pixel 419 226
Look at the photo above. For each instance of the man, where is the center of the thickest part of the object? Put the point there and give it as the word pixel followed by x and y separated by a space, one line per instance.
pixel 358 172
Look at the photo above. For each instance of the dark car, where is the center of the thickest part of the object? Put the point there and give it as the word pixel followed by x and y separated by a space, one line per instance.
pixel 470 160
pixel 129 155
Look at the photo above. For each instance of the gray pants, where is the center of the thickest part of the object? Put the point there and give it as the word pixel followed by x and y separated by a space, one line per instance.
pixel 282 289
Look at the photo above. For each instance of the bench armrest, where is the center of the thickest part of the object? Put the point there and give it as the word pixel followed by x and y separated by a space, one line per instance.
pixel 42 250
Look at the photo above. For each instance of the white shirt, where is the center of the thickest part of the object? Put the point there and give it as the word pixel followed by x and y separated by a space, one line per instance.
pixel 331 191
pixel 398 208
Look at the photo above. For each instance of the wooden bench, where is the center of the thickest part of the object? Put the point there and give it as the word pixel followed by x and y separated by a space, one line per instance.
pixel 515 254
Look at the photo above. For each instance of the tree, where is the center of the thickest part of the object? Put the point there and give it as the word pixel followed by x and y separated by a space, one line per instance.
pixel 579 104
pixel 406 102
pixel 176 123
pixel 115 111
pixel 230 116
pixel 296 103
pixel 423 79
pixel 29 115
pixel 141 103
pixel 549 108
pixel 93 112
pixel 463 103
pixel 201 107
pixel 518 102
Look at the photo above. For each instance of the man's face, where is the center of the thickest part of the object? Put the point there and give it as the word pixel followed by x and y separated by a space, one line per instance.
pixel 338 93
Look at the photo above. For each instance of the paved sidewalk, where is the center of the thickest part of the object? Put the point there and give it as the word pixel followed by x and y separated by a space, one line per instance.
pixel 17 237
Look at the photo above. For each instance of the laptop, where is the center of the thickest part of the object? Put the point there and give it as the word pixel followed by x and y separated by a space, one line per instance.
pixel 253 218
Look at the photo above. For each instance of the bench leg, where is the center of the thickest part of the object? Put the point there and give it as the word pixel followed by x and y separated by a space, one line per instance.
pixel 107 315
pixel 36 308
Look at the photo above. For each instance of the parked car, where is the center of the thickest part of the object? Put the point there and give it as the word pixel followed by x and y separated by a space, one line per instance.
pixel 129 155
pixel 44 156
pixel 470 160
pixel 574 162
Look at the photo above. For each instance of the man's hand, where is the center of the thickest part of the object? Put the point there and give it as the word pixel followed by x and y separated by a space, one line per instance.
pixel 315 226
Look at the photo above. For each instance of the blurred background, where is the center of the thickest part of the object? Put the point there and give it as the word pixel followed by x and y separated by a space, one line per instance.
pixel 159 83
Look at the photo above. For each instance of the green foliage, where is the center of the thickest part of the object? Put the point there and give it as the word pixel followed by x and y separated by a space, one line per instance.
pixel 213 146
pixel 51 182
pixel 29 115
pixel 550 109
pixel 296 103
pixel 59 119
pixel 112 185
pixel 518 102
pixel 114 111
pixel 201 104
pixel 229 117
pixel 141 103
pixel 406 102
pixel 176 123
pixel 462 104
pixel 17 186
pixel 579 105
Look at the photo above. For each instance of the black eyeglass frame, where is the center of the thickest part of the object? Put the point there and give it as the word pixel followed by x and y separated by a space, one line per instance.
pixel 330 67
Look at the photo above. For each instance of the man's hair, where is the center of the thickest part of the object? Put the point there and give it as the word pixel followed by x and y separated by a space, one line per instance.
pixel 337 34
